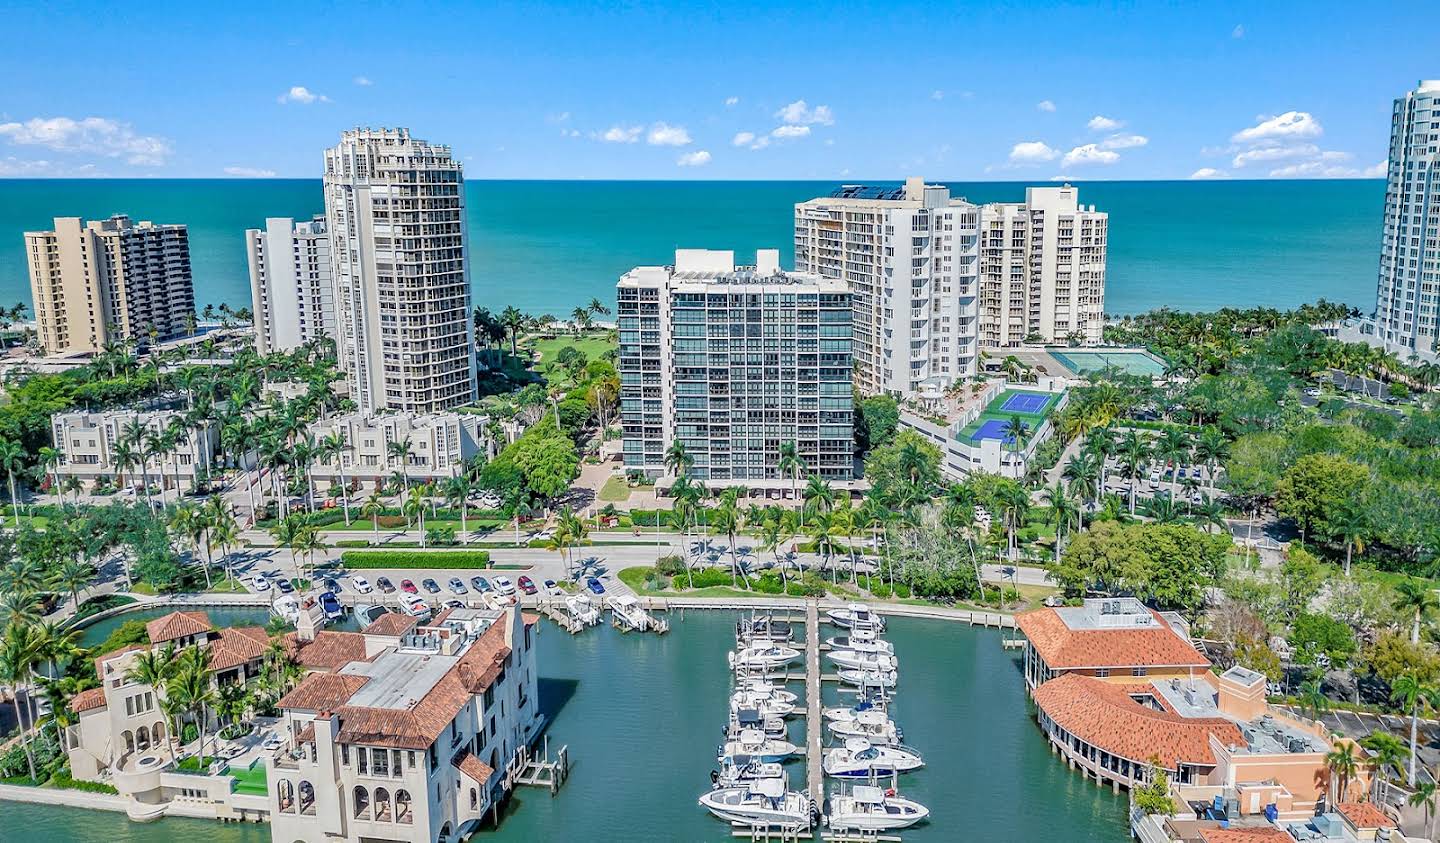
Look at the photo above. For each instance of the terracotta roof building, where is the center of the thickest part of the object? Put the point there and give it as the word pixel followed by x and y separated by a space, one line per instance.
pixel 179 627
pixel 1107 638
pixel 1364 815
pixel 326 651
pixel 1257 834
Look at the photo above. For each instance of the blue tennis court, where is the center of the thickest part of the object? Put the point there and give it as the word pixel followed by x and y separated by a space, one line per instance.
pixel 992 429
pixel 1025 402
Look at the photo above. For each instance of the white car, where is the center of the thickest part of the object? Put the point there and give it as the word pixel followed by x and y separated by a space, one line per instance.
pixel 543 536
pixel 361 585
pixel 504 585
pixel 260 584
pixel 1313 391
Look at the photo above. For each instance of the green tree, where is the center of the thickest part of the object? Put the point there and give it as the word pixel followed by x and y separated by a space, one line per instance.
pixel 1315 490
pixel 1411 695
pixel 879 418
pixel 1153 797
pixel 1418 600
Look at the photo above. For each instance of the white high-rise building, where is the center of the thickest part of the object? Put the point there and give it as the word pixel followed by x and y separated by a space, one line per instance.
pixel 395 210
pixel 1406 304
pixel 291 289
pixel 1042 269
pixel 910 259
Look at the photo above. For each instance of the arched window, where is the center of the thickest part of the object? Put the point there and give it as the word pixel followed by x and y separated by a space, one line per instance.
pixel 307 798
pixel 382 805
pixel 474 799
pixel 129 741
pixel 362 803
pixel 286 793
pixel 157 732
pixel 142 738
pixel 402 807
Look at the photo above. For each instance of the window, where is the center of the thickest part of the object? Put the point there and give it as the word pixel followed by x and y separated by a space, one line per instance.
pixel 1138 671
pixel 1102 673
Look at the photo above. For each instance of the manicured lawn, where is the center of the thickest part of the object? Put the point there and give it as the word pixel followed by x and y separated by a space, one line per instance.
pixel 616 489
pixel 593 345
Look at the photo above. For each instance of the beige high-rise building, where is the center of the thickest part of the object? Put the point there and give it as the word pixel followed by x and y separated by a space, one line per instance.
pixel 109 280
pixel 1042 269
pixel 395 210
pixel 290 285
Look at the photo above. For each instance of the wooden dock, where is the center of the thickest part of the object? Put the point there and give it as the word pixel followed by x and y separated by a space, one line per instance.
pixel 525 769
pixel 814 724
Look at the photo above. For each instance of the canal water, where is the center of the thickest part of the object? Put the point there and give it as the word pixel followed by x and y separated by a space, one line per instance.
pixel 642 716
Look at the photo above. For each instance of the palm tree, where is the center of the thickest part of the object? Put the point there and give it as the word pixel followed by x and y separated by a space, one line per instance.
pixel 790 463
pixel 1083 475
pixel 1211 448
pixel 574 529
pixel 332 448
pixel 49 462
pixel 1312 698
pixel 457 492
pixel 1425 793
pixel 285 532
pixel 1411 694
pixel 400 450
pixel 772 536
pixel 222 530
pixel 728 520
pixel 20 652
pixel 1162 510
pixel 1389 752
pixel 677 460
pixel 18 608
pixel 372 509
pixel 74 575
pixel 1343 765
pixel 1173 446
pixel 1064 510
pixel 1133 453
pixel 12 457
pixel 822 530
pixel 598 308
pixel 192 687
pixel 1353 529
pixel 1015 433
pixel 819 495
pixel 307 543
pixel 415 506
pixel 514 321
pixel 1415 597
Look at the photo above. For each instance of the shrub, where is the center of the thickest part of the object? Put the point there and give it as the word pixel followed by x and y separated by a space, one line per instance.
pixel 96 605
pixel 188 734
pixel 670 565
pixel 443 536
pixel 127 633
pixel 63 779
pixel 647 517
pixel 365 559
pixel 352 543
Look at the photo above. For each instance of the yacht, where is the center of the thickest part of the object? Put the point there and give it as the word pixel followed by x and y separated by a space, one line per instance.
pixel 768 706
pixel 331 604
pixel 860 759
pixel 740 769
pixel 874 726
pixel 754 744
pixel 286 608
pixel 869 678
pixel 861 642
pixel 758 628
pixel 580 608
pixel 847 713
pixel 745 719
pixel 769 690
pixel 869 808
pixel 856 615
pixel 765 802
pixel 628 613
pixel 367 613
pixel 762 657
pixel 864 660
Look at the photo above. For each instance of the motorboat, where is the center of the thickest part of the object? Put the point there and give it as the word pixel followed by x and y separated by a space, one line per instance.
pixel 769 690
pixel 864 660
pixel 367 614
pixel 856 614
pixel 741 769
pixel 847 713
pixel 761 628
pixel 869 678
pixel 629 614
pixel 745 719
pixel 580 608
pixel 874 726
pixel 286 608
pixel 860 759
pixel 756 744
pixel 768 706
pixel 331 604
pixel 868 808
pixel 864 643
pixel 764 802
pixel 762 657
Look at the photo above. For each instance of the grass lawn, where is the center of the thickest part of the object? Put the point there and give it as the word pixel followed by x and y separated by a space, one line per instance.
pixel 194 764
pixel 229 587
pixel 37 521
pixel 616 489
pixel 593 345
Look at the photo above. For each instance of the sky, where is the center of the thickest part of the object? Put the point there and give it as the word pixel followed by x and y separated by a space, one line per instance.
pixel 715 90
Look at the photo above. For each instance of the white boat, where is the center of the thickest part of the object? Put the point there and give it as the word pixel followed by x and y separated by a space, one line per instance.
pixel 755 744
pixel 762 657
pixel 868 678
pixel 864 660
pixel 367 614
pixel 765 802
pixel 758 628
pixel 745 719
pixel 769 690
pixel 861 643
pixel 629 614
pixel 856 614
pixel 768 706
pixel 580 608
pixel 848 713
pixel 873 726
pixel 286 608
pixel 740 769
pixel 860 759
pixel 869 808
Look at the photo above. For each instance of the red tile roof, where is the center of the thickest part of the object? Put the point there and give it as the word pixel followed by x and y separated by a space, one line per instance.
pixel 231 648
pixel 1258 834
pixel 330 650
pixel 1063 648
pixel 390 623
pixel 1103 715
pixel 1364 815
pixel 471 766
pixel 177 625
pixel 322 691
pixel 530 618
pixel 86 700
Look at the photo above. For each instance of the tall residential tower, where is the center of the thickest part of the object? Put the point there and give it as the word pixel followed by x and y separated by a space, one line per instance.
pixel 102 281
pixel 395 210
pixel 290 284
pixel 1406 303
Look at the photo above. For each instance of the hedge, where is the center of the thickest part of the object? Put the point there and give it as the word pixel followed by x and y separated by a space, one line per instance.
pixel 367 559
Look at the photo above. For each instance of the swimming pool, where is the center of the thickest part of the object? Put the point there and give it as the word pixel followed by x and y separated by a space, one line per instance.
pixel 1129 361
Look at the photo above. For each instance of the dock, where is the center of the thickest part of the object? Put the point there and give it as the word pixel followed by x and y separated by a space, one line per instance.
pixel 814 725
pixel 525 769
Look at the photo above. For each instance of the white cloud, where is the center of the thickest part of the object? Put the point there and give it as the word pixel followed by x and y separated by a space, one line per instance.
pixel 663 134
pixel 1124 141
pixel 1032 152
pixel 569 133
pixel 95 135
pixel 800 113
pixel 1291 124
pixel 731 102
pixel 1209 173
pixel 1275 153
pixel 786 132
pixel 249 173
pixel 1376 170
pixel 622 134
pixel 302 95
pixel 1062 178
pixel 363 81
pixel 1089 154
pixel 1045 105
pixel 1101 123
pixel 558 117
pixel 1238 31
pixel 698 158
pixel 829 141
pixel 937 95
pixel 742 139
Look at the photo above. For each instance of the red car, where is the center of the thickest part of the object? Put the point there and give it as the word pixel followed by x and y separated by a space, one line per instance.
pixel 408 586
pixel 527 585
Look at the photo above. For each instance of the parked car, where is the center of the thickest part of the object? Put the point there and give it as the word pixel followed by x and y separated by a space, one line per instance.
pixel 552 588
pixel 504 586
pixel 430 585
pixel 595 585
pixel 332 585
pixel 454 604
pixel 260 584
pixel 361 585
pixel 527 585
pixel 1312 391
pixel 457 586
pixel 285 586
pixel 408 586
pixel 481 584
pixel 385 586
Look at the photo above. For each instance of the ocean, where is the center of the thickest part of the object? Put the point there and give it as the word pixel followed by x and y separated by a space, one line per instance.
pixel 547 246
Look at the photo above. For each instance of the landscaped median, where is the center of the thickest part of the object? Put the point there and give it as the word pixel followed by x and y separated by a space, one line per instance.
pixel 360 560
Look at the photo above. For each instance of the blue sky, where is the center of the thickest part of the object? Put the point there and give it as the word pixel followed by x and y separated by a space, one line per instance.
pixel 733 90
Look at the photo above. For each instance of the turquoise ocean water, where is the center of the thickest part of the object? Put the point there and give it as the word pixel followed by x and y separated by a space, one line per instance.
pixel 546 246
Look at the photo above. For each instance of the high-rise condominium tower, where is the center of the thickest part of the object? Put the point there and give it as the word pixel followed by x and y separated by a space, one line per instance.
pixel 290 285
pixel 1406 296
pixel 102 281
pixel 735 363
pixel 395 210
pixel 909 257
pixel 1042 269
